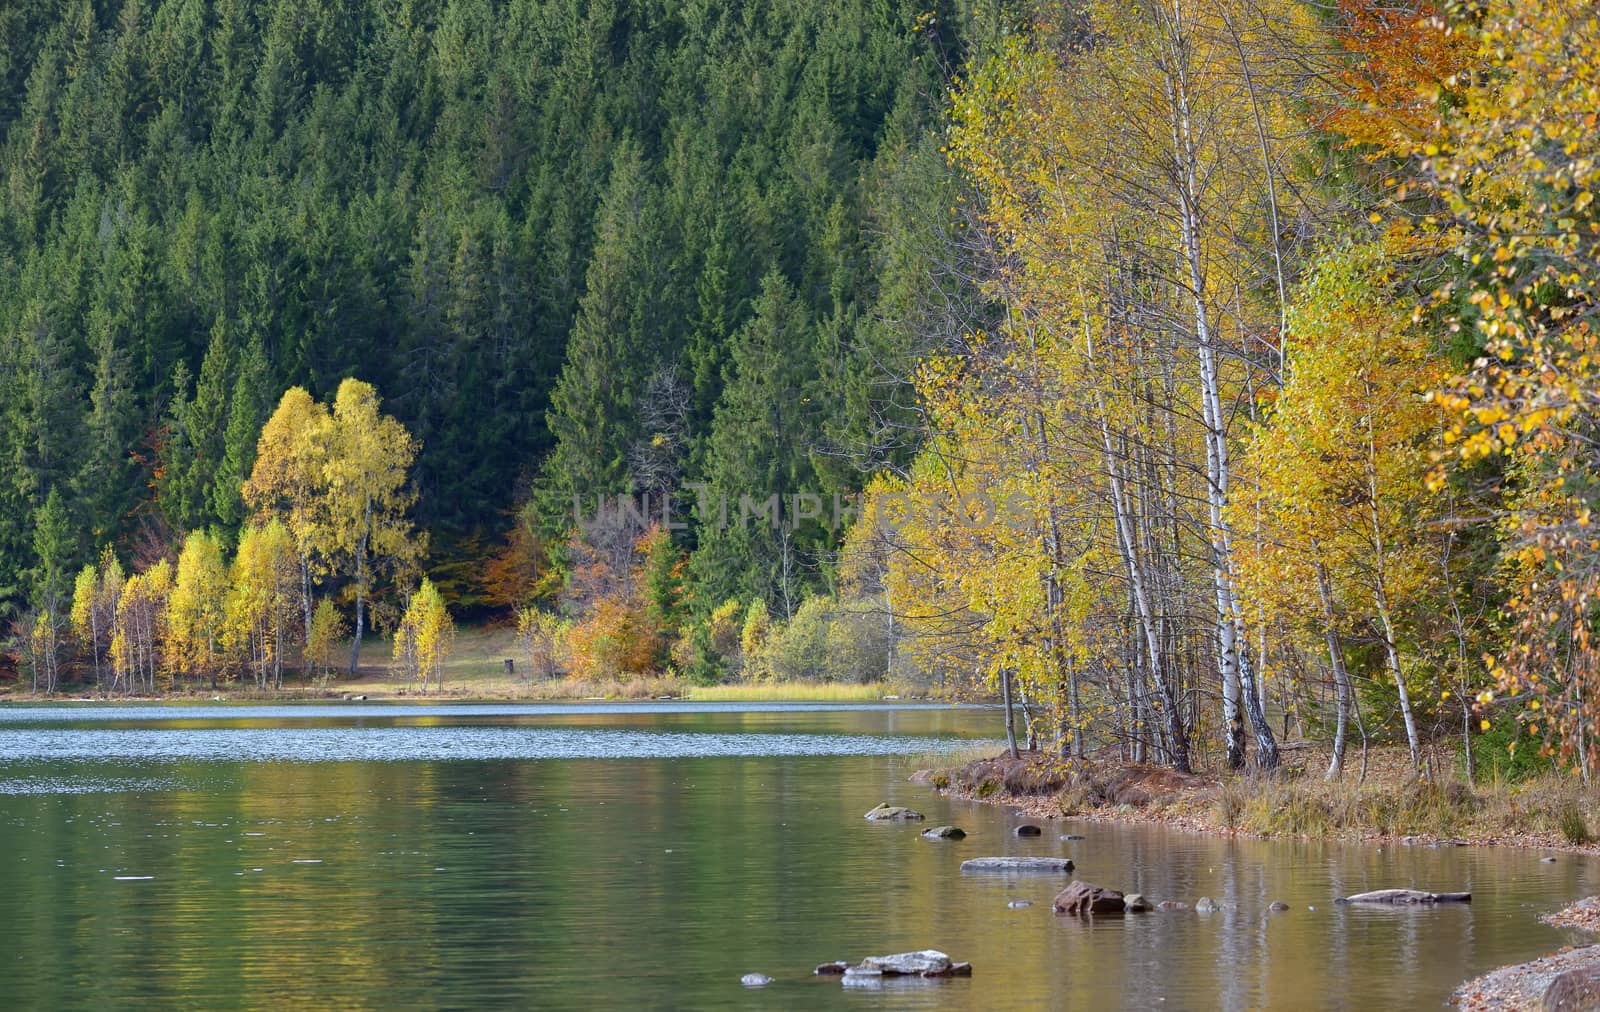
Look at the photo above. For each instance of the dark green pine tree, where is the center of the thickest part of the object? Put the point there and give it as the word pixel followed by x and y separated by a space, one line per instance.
pixel 179 500
pixel 105 485
pixel 248 409
pixel 621 333
pixel 761 444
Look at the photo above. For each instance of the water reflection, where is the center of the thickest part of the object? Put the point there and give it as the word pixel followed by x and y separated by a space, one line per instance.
pixel 658 880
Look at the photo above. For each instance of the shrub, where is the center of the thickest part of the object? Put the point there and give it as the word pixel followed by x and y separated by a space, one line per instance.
pixel 858 643
pixel 754 638
pixel 1574 827
pixel 543 638
pixel 799 651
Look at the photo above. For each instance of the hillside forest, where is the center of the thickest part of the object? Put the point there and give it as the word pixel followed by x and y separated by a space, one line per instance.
pixel 1194 378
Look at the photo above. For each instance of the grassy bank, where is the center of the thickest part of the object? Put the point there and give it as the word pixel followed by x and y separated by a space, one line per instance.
pixel 799 692
pixel 1552 810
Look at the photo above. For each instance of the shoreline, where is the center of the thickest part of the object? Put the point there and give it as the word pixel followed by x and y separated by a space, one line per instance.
pixel 1524 985
pixel 357 694
pixel 1193 807
pixel 1122 792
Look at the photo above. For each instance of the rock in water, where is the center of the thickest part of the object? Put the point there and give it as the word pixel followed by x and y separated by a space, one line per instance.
pixel 1135 903
pixel 1172 905
pixel 1018 865
pixel 1028 830
pixel 1406 897
pixel 945 833
pixel 1071 836
pixel 886 812
pixel 1020 904
pixel 755 980
pixel 906 964
pixel 833 969
pixel 1278 906
pixel 1203 905
pixel 1086 898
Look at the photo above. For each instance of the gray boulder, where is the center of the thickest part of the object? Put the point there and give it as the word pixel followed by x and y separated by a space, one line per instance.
pixel 1028 830
pixel 886 812
pixel 945 833
pixel 1405 897
pixel 906 964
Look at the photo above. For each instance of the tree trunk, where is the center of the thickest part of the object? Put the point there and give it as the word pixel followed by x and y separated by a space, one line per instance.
pixel 1381 600
pixel 1011 718
pixel 1342 688
pixel 361 593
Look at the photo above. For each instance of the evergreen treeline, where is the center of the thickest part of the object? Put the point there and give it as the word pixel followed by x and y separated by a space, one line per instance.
pixel 580 247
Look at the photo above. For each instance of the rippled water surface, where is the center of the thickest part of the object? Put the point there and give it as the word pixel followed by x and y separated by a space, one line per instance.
pixel 589 856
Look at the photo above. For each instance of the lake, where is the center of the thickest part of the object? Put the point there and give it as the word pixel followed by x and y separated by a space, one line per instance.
pixel 648 855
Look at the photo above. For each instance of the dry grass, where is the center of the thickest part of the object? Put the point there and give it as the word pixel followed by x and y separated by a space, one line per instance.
pixel 1551 810
pixel 796 692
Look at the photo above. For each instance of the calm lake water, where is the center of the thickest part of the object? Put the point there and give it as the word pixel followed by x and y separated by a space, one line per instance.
pixel 647 856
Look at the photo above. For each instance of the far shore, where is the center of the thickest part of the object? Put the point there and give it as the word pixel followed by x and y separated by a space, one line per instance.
pixel 559 691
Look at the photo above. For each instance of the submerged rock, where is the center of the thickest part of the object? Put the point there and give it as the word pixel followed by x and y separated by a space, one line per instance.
pixel 1204 905
pixel 755 980
pixel 1028 830
pixel 1172 905
pixel 1278 906
pixel 1020 904
pixel 945 833
pixel 1018 865
pixel 858 975
pixel 1405 897
pixel 833 969
pixel 1135 903
pixel 1082 898
pixel 886 812
pixel 1071 836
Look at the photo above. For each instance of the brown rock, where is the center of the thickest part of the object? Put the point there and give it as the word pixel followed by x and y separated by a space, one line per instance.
pixel 1135 903
pixel 1081 898
pixel 834 969
pixel 1573 991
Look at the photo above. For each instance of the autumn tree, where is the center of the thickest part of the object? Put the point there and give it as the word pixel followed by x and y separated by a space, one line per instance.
pixel 1339 468
pixel 287 479
pixel 196 609
pixel 262 601
pixel 1514 167
pixel 423 639
pixel 365 532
